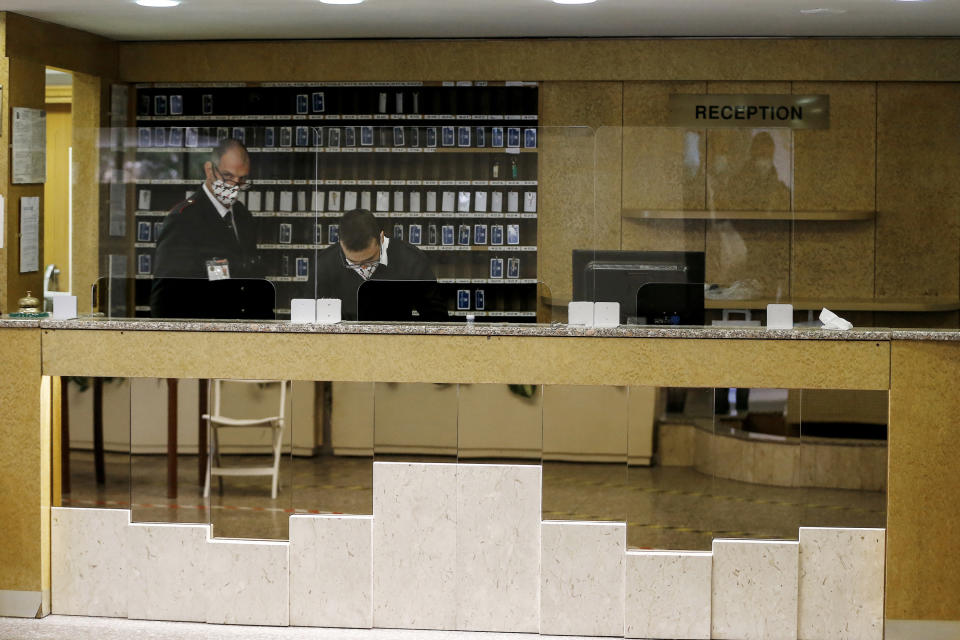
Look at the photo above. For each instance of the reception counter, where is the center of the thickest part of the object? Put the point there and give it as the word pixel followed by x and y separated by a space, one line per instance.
pixel 919 369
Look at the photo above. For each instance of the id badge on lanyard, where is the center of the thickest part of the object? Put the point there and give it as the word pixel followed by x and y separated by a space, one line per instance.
pixel 218 269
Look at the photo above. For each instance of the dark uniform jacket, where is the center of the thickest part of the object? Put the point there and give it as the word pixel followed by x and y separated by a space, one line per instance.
pixel 193 233
pixel 404 262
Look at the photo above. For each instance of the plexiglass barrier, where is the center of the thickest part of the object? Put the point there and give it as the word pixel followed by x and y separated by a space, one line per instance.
pixel 318 206
pixel 758 217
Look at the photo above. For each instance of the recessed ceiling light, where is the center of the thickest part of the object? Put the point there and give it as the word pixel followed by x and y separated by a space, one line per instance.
pixel 158 3
pixel 822 11
pixel 341 1
pixel 574 1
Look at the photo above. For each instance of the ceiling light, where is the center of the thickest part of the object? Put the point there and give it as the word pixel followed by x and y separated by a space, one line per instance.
pixel 574 1
pixel 158 3
pixel 341 1
pixel 822 11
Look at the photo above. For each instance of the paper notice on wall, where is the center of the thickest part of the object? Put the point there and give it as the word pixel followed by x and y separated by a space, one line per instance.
pixel 29 234
pixel 29 146
pixel 2 227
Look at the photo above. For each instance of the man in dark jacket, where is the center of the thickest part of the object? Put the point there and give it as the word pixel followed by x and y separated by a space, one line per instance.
pixel 365 266
pixel 209 241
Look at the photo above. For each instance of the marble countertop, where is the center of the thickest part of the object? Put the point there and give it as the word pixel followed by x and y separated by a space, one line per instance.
pixel 491 329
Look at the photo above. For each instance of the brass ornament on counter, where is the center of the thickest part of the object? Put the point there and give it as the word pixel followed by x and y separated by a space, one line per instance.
pixel 29 304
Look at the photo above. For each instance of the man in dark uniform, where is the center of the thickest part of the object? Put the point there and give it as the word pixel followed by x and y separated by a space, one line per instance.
pixel 208 242
pixel 364 254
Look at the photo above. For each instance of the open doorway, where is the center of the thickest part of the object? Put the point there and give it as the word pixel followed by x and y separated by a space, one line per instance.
pixel 57 230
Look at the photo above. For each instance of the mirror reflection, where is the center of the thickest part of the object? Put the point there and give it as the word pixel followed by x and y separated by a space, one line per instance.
pixel 680 465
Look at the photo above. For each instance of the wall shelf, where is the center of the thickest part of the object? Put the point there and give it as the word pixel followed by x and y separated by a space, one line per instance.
pixel 847 304
pixel 670 214
pixel 812 304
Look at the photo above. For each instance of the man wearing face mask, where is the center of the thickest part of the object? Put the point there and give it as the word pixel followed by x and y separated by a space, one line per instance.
pixel 206 240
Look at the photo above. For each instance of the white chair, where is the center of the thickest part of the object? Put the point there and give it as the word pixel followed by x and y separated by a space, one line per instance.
pixel 217 420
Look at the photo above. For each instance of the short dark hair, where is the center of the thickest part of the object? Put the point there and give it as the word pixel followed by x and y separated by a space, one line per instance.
pixel 226 145
pixel 357 228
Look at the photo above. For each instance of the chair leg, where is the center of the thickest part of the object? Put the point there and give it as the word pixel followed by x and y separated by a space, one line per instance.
pixel 206 484
pixel 277 445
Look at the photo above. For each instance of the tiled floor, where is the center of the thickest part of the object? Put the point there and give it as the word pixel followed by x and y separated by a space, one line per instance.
pixel 665 507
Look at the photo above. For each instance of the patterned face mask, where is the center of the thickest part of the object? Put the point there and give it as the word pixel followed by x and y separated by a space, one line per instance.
pixel 225 193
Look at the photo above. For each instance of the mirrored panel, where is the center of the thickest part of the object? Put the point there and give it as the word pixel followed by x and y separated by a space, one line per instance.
pixel 843 455
pixel 250 440
pixel 94 441
pixel 585 450
pixel 333 447
pixel 672 496
pixel 415 422
pixel 758 463
pixel 500 424
pixel 168 462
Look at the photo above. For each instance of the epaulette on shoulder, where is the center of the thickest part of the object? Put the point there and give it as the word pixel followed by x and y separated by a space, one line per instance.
pixel 180 206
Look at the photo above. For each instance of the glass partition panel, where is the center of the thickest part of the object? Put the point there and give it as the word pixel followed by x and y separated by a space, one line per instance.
pixel 95 442
pixel 783 215
pixel 585 452
pixel 577 186
pixel 464 188
pixel 705 225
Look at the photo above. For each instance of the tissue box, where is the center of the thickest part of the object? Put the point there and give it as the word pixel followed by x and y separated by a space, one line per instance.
pixel 779 316
pixel 64 307
pixel 606 314
pixel 328 311
pixel 580 313
pixel 303 311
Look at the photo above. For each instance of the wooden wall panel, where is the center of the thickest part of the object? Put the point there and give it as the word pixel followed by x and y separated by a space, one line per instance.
pixel 26 89
pixel 22 483
pixel 835 170
pixel 923 504
pixel 918 194
pixel 59 46
pixel 579 59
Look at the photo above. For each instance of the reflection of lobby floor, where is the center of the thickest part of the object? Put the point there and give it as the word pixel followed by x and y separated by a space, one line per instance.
pixel 665 507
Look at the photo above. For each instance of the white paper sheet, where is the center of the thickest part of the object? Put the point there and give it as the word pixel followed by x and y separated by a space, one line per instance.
pixel 2 227
pixel 29 146
pixel 349 200
pixel 29 234
pixel 286 201
pixel 448 201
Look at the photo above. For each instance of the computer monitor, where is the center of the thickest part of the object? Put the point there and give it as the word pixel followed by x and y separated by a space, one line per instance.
pixel 627 277
pixel 396 301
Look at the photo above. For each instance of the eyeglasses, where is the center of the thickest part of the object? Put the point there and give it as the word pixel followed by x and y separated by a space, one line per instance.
pixel 372 262
pixel 230 179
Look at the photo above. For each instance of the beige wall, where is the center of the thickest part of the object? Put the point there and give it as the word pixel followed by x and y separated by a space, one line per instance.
pixel 56 192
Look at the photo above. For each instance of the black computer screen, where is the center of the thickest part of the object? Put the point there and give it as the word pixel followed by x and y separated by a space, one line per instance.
pixel 626 276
